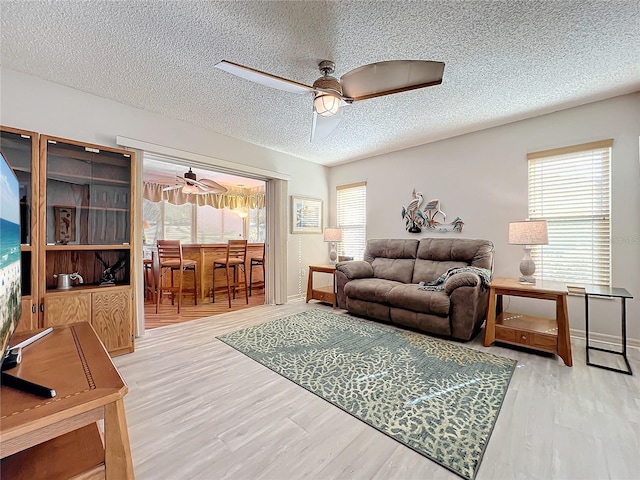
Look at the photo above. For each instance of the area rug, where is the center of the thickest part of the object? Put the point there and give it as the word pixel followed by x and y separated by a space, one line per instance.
pixel 438 398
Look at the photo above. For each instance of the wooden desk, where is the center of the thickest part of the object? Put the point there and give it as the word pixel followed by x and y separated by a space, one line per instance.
pixel 324 294
pixel 544 334
pixel 58 438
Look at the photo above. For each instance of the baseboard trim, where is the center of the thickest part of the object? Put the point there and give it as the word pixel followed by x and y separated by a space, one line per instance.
pixel 298 297
pixel 603 340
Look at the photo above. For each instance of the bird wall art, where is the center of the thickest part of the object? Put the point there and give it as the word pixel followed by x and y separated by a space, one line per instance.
pixel 415 219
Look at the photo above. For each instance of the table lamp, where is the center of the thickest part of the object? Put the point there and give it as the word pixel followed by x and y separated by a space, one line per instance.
pixel 145 226
pixel 333 235
pixel 528 233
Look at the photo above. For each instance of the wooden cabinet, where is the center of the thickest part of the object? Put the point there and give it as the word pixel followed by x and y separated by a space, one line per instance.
pixel 76 218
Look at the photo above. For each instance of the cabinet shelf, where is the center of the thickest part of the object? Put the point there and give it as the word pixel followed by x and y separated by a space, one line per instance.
pixel 90 179
pixel 53 248
pixel 89 288
pixel 90 207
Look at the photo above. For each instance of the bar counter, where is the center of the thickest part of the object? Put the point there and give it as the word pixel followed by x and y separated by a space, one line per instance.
pixel 204 254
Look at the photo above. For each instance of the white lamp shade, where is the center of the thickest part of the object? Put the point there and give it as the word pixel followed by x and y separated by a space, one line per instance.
pixel 243 212
pixel 528 233
pixel 332 234
pixel 326 104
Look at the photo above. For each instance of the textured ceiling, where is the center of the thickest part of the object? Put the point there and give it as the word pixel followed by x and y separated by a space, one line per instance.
pixel 504 61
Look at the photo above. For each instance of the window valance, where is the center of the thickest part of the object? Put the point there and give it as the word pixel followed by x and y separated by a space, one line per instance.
pixel 234 198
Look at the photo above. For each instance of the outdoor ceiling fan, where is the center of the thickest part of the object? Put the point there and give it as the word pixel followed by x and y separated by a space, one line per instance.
pixel 330 94
pixel 190 184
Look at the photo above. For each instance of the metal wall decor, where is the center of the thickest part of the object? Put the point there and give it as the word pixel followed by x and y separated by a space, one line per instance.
pixel 415 219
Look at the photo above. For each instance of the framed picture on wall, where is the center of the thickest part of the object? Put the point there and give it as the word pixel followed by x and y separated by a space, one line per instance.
pixel 65 224
pixel 306 215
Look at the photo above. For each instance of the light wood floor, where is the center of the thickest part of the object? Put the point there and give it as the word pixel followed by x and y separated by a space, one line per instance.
pixel 197 409
pixel 168 314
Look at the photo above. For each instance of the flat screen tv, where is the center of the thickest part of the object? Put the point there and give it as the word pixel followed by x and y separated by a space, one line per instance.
pixel 10 285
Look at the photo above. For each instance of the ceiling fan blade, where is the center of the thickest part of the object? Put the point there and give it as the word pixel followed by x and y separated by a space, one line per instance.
pixel 394 76
pixel 323 126
pixel 212 187
pixel 172 187
pixel 263 78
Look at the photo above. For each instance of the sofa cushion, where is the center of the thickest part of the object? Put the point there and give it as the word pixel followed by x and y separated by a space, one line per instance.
pixel 370 289
pixel 390 248
pixel 428 270
pixel 396 269
pixel 436 255
pixel 410 297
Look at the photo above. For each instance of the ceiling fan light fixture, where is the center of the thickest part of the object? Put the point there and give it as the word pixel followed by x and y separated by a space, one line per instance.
pixel 326 104
pixel 189 189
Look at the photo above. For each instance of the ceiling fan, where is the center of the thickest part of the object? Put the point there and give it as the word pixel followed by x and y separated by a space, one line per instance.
pixel 190 184
pixel 330 94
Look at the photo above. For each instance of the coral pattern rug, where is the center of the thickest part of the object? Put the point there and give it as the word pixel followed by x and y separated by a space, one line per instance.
pixel 438 398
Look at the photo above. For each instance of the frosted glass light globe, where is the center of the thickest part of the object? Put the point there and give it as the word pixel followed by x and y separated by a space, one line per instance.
pixel 326 104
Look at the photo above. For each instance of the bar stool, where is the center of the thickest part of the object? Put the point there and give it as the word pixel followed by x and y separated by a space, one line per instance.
pixel 170 260
pixel 149 280
pixel 255 262
pixel 234 260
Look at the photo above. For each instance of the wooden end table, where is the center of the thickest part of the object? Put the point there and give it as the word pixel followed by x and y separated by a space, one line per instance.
pixel 324 294
pixel 47 438
pixel 544 334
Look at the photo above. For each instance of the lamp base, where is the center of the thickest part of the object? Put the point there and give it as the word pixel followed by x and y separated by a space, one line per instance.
pixel 333 255
pixel 527 268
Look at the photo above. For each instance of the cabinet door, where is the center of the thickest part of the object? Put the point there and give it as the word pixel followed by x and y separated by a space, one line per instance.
pixel 111 319
pixel 88 193
pixel 62 309
pixel 28 319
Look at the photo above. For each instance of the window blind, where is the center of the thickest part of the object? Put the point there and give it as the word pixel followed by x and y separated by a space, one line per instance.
pixel 570 188
pixel 352 219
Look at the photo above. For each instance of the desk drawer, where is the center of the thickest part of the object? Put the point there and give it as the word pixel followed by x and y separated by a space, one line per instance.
pixel 539 341
pixel 323 295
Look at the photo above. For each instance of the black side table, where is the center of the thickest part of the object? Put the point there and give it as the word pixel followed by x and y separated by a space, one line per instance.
pixel 611 292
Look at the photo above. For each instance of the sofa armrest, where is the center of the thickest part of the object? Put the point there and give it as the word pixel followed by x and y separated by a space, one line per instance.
pixel 469 300
pixel 355 269
pixel 465 279
pixel 347 271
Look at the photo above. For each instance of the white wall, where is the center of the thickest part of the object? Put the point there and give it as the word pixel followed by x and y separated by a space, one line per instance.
pixel 33 104
pixel 482 178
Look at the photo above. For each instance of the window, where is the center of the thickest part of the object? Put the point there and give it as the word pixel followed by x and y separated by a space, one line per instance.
pixel 177 222
pixel 200 224
pixel 352 219
pixel 257 225
pixel 570 188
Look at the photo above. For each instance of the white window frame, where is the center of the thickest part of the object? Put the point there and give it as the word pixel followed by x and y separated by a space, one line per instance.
pixel 351 207
pixel 570 188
